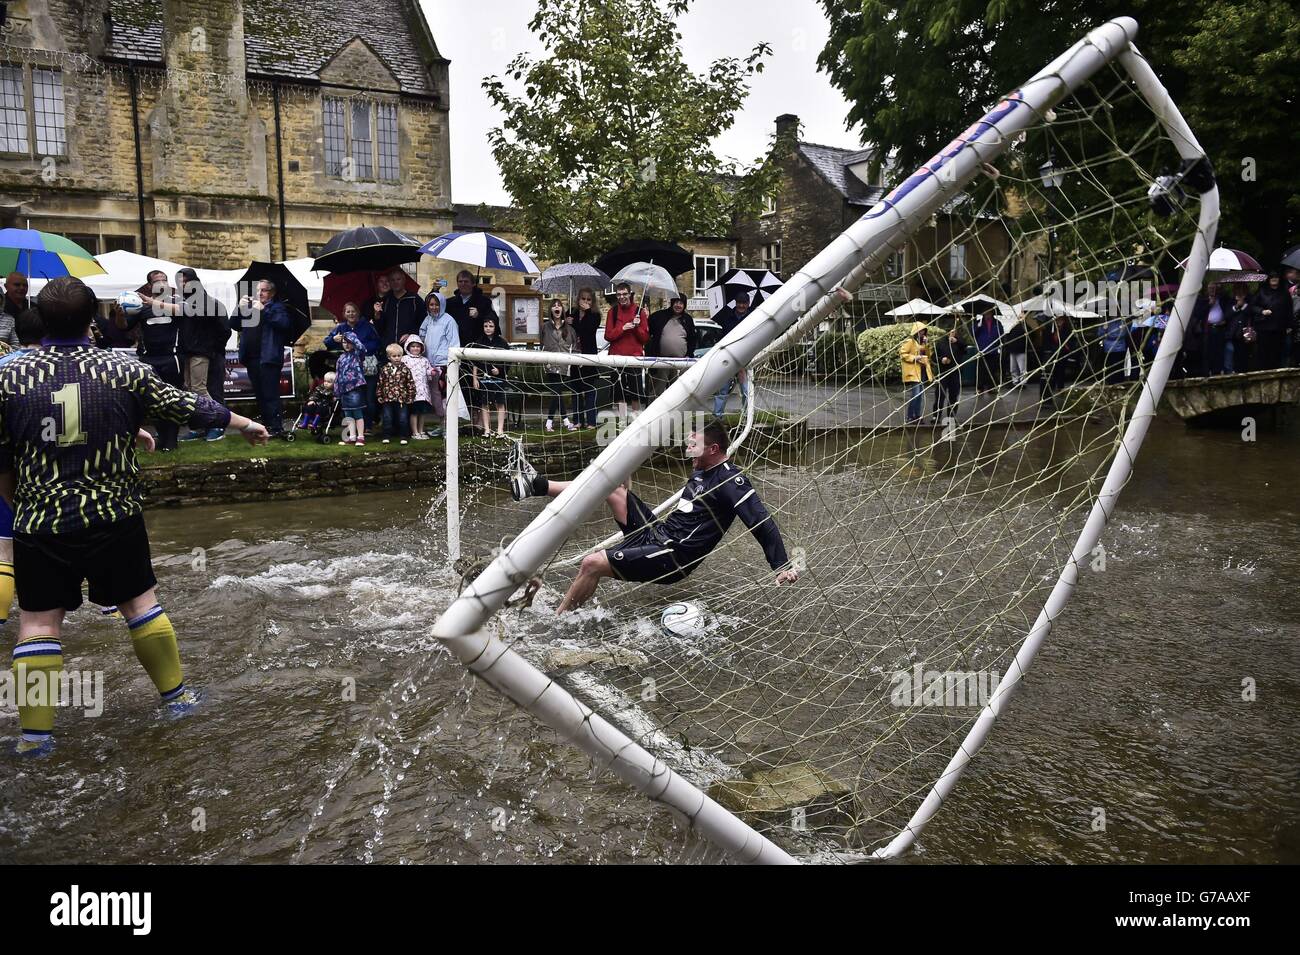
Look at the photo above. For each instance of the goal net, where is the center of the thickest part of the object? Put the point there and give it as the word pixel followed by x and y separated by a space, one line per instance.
pixel 829 718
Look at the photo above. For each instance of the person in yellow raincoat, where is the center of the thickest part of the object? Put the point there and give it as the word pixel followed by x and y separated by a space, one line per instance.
pixel 914 354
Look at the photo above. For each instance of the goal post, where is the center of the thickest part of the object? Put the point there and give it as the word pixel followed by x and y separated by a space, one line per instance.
pixel 805 299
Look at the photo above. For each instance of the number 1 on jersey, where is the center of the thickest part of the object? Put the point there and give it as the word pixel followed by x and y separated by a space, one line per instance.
pixel 69 399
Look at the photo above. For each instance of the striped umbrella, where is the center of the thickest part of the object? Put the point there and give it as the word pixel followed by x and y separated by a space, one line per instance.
pixel 44 255
pixel 483 249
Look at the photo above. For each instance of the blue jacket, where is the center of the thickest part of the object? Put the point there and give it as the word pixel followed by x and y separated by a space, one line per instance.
pixel 987 335
pixel 440 334
pixel 365 332
pixel 262 341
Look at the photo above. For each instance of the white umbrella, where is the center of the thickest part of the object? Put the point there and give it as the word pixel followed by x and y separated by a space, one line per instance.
pixel 647 278
pixel 917 306
pixel 1006 314
pixel 1054 307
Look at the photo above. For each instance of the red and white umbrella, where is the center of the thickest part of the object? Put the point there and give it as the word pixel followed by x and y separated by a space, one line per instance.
pixel 1232 265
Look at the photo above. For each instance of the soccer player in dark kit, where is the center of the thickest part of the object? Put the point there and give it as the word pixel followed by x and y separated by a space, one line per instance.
pixel 666 550
pixel 69 417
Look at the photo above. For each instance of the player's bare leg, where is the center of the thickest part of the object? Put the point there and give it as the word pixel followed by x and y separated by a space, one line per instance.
pixel 594 566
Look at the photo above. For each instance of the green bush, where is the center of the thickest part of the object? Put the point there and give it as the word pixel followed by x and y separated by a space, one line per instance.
pixel 878 348
pixel 834 356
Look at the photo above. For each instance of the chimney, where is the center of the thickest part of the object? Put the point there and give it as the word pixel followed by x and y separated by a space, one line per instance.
pixel 787 122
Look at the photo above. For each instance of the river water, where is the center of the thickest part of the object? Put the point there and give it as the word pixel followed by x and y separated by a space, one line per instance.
pixel 338 730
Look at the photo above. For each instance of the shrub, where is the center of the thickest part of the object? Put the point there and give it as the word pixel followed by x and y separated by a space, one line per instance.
pixel 835 356
pixel 878 348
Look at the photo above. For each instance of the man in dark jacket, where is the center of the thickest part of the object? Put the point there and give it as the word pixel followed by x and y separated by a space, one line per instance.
pixel 469 306
pixel 1273 322
pixel 158 344
pixel 264 328
pixel 729 317
pixel 949 353
pixel 672 335
pixel 988 344
pixel 205 329
pixel 403 311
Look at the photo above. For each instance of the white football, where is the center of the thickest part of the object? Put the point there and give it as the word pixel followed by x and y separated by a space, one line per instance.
pixel 131 303
pixel 685 619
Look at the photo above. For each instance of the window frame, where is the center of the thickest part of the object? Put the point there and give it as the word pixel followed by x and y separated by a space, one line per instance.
pixel 26 75
pixel 769 261
pixel 697 258
pixel 769 205
pixel 892 273
pixel 965 263
pixel 346 109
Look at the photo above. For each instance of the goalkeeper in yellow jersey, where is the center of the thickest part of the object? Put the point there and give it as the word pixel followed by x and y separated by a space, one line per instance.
pixel 69 418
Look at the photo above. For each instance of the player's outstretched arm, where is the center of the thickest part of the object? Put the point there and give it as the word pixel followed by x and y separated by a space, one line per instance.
pixel 165 401
pixel 750 509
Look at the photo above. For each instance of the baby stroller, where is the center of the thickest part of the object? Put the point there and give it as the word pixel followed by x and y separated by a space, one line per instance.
pixel 318 416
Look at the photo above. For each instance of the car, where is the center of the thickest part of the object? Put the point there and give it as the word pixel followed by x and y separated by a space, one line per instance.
pixel 710 334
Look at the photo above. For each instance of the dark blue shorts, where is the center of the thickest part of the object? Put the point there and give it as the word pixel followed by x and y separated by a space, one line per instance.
pixel 642 556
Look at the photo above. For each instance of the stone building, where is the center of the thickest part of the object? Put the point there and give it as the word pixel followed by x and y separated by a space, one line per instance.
pixel 215 132
pixel 824 189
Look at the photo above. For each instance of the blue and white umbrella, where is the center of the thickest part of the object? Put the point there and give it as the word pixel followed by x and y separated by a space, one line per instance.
pixel 482 249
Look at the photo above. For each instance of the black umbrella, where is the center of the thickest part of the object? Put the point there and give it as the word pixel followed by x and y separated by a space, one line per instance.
pixel 1291 258
pixel 367 248
pixel 287 289
pixel 667 255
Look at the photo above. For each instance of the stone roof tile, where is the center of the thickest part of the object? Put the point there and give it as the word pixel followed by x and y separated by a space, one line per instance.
pixel 291 38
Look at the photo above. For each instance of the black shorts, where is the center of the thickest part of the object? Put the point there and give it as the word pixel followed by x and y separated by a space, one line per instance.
pixel 113 558
pixel 642 557
pixel 627 386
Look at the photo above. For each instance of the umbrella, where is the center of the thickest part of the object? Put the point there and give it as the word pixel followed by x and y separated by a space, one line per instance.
pixel 287 289
pixel 483 249
pixel 343 287
pixel 367 247
pixel 1291 258
pixel 669 256
pixel 559 278
pixel 44 255
pixel 976 304
pixel 917 306
pixel 1054 307
pixel 757 284
pixel 647 278
pixel 1228 260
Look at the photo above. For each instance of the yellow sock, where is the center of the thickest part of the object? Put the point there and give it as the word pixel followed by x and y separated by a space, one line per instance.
pixel 154 641
pixel 33 656
pixel 6 589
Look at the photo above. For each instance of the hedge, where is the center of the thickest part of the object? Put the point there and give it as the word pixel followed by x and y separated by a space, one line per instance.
pixel 878 350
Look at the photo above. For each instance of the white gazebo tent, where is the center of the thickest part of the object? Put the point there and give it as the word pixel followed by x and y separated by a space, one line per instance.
pixel 916 307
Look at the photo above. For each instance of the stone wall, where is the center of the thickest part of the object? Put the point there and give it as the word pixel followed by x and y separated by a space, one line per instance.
pixel 210 168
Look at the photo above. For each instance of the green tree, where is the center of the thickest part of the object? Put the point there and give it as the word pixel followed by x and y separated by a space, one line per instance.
pixel 916 72
pixel 610 138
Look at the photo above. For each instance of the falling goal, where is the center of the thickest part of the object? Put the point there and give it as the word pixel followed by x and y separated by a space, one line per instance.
pixel 830 719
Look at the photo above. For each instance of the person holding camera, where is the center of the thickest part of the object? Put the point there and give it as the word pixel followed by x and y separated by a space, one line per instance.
pixel 264 327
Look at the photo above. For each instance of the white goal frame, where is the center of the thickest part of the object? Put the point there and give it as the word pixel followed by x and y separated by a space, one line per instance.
pixel 805 299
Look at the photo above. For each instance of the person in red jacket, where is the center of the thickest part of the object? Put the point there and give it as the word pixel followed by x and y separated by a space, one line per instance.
pixel 627 329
